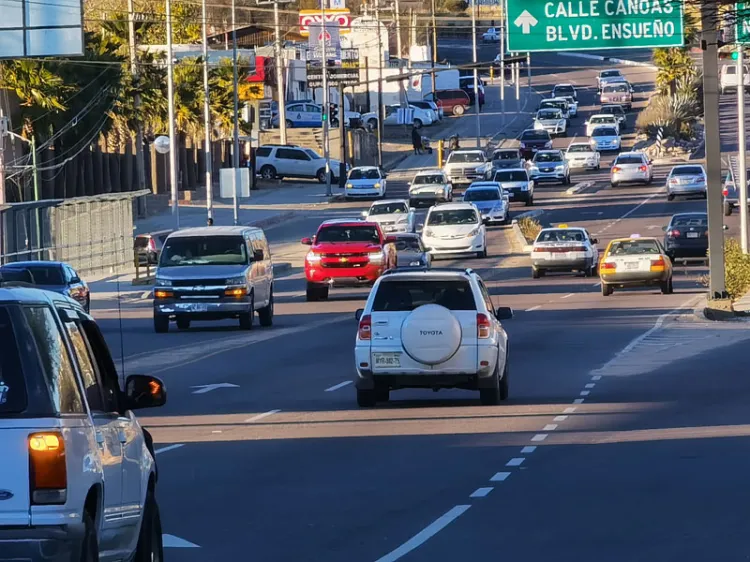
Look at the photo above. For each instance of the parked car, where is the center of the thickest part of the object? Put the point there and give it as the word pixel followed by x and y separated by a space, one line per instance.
pixel 77 470
pixel 466 83
pixel 214 273
pixel 465 165
pixel 455 229
pixel 686 236
pixel 430 106
pixel 605 137
pixel 365 181
pixel 551 120
pixel 728 77
pixel 393 215
pixel 599 119
pixel 410 251
pixel 420 117
pixel 533 140
pixel 346 252
pixel 492 202
pixel 550 165
pixel 55 276
pixel 455 101
pixel 517 183
pixel 431 185
pixel 492 35
pixel 583 155
pixel 616 110
pixel 310 114
pixel 686 180
pixel 631 167
pixel 147 247
pixel 275 161
pixel 617 92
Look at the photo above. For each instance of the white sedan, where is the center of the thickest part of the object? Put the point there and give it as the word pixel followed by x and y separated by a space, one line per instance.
pixel 491 35
pixel 582 155
pixel 605 137
pixel 393 215
pixel 365 181
pixel 419 117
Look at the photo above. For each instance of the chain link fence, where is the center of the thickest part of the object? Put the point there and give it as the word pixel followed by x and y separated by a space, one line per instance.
pixel 92 234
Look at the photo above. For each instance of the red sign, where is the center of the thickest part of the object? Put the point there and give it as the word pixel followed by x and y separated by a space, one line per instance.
pixel 341 18
pixel 260 70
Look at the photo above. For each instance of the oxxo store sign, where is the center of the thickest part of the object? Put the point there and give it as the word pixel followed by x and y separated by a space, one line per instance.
pixel 542 25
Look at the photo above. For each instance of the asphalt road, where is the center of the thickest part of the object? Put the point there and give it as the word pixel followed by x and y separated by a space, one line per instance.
pixel 621 439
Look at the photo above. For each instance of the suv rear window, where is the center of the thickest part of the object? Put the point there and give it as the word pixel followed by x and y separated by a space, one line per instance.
pixel 13 397
pixel 628 160
pixel 406 295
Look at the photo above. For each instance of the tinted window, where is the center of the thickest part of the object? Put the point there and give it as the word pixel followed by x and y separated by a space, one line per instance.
pixel 579 148
pixel 13 397
pixel 263 152
pixel 687 171
pixel 561 235
pixel 56 364
pixel 408 243
pixel 515 175
pixel 104 363
pixel 609 73
pixel 403 295
pixel 436 179
pixel 43 274
pixel 690 220
pixel 506 155
pixel 313 155
pixel 389 208
pixel 141 242
pixel 564 89
pixel 290 154
pixel 348 234
pixel 91 385
pixel 481 195
pixel 465 157
pixel 634 248
pixel 452 216
pixel 549 114
pixel 535 135
pixel 631 159
pixel 204 250
pixel 548 157
pixel 367 174
pixel 618 88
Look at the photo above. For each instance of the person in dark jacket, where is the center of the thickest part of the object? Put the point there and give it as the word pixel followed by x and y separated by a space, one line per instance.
pixel 416 140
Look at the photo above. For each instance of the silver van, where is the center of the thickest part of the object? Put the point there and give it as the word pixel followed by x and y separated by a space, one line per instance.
pixel 214 273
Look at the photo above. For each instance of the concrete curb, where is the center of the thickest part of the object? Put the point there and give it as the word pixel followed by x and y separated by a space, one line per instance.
pixel 579 187
pixel 518 238
pixel 624 62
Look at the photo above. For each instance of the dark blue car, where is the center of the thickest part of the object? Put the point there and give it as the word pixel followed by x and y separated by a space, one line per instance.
pixel 55 276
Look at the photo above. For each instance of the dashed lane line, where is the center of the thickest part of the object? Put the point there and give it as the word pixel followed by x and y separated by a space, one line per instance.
pixel 337 386
pixel 500 477
pixel 259 417
pixel 481 492
pixel 168 448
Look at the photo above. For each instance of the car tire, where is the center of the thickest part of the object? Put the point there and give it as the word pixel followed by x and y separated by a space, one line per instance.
pixel 150 547
pixel 90 542
pixel 289 124
pixel 607 290
pixel 491 396
pixel 161 323
pixel 247 319
pixel 535 273
pixel 670 197
pixel 382 393
pixel 183 323
pixel 366 398
pixel 650 180
pixel 564 134
pixel 666 287
pixel 459 110
pixel 530 201
pixel 727 209
pixel 614 184
pixel 268 172
pixel 483 253
pixel 506 220
pixel 87 306
pixel 321 175
pixel 265 314
pixel 372 124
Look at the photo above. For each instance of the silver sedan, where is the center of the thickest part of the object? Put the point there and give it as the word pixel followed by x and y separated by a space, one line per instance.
pixel 686 180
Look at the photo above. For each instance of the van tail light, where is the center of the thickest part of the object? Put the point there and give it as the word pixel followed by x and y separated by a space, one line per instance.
pixel 151 245
pixel 616 169
pixel 48 476
pixel 483 326
pixel 674 233
pixel 607 266
pixel 658 264
pixel 725 192
pixel 642 169
pixel 365 327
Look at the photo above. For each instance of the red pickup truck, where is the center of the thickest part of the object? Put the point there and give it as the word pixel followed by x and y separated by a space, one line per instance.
pixel 346 253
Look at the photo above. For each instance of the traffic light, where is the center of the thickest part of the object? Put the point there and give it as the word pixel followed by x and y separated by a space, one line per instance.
pixel 334 113
pixel 735 55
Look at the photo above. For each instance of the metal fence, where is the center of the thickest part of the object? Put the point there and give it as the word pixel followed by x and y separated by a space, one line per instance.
pixel 93 234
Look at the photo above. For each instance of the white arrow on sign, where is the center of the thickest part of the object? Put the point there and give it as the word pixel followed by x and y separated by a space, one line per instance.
pixel 525 21
pixel 203 388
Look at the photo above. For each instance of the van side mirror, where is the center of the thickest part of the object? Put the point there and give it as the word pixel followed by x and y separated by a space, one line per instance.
pixel 358 314
pixel 503 313
pixel 144 391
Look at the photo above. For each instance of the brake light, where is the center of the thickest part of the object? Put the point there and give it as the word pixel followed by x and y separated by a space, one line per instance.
pixel 673 180
pixel 365 327
pixel 616 169
pixel 658 264
pixel 607 266
pixel 577 249
pixel 643 169
pixel 483 326
pixel 725 192
pixel 674 233
pixel 151 245
pixel 48 477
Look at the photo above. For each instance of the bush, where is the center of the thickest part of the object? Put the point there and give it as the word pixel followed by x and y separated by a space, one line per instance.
pixel 736 269
pixel 675 114
pixel 529 227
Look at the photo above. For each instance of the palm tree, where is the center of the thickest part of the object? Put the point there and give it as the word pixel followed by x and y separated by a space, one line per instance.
pixel 221 82
pixel 673 64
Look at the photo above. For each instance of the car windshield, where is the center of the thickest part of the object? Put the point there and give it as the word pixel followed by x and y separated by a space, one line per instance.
pixel 549 114
pixel 13 397
pixel 579 148
pixel 388 208
pixel 609 73
pixel 513 175
pixel 563 89
pixel 40 274
pixel 690 220
pixel 535 135
pixel 348 234
pixel 601 119
pixel 359 174
pixel 553 104
pixel 687 171
pixel 434 179
pixel 407 244
pixel 561 235
pixel 506 155
pixel 400 295
pixel 452 216
pixel 630 159
pixel 313 155
pixel 547 157
pixel 604 132
pixel 465 157
pixel 490 194
pixel 616 88
pixel 634 248
pixel 204 250
pixel 613 110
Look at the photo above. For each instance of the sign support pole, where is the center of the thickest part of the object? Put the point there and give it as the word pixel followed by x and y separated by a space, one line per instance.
pixel 381 60
pixel 742 160
pixel 342 139
pixel 280 86
pixel 434 47
pixel 476 70
pixel 207 116
pixel 139 163
pixel 172 133
pixel 236 118
pixel 326 103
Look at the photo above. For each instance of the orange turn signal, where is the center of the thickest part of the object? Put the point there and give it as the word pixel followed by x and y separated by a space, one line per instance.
pixel 236 292
pixel 48 468
pixel 163 294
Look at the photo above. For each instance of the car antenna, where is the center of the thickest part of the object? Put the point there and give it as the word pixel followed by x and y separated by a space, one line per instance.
pixel 122 340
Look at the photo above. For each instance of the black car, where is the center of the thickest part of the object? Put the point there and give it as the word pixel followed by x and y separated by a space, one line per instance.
pixel 533 140
pixel 55 276
pixel 686 236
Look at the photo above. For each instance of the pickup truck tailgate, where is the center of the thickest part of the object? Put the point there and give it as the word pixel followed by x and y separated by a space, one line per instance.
pixel 14 476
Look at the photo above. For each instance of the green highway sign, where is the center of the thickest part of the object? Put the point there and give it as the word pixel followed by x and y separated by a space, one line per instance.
pixel 742 32
pixel 576 25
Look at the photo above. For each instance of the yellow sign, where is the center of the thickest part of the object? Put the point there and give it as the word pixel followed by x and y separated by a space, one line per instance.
pixel 254 92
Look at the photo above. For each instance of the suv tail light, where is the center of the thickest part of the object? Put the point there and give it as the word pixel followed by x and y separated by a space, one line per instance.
pixel 48 477
pixel 151 245
pixel 643 169
pixel 483 326
pixel 365 327
pixel 658 264
pixel 725 192
pixel 616 169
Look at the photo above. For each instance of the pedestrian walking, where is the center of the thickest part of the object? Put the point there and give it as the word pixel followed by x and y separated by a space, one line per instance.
pixel 416 140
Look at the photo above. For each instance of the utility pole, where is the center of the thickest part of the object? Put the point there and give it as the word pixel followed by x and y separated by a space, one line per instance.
pixel 476 70
pixel 717 280
pixel 3 129
pixel 170 109
pixel 528 73
pixel 342 139
pixel 326 103
pixel 434 47
pixel 381 63
pixel 206 116
pixel 281 87
pixel 236 135
pixel 517 79
pixel 742 160
pixel 139 164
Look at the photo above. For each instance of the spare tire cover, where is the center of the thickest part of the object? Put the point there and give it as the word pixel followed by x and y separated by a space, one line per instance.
pixel 431 334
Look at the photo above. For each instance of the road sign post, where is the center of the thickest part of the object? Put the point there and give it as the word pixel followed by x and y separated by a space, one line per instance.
pixel 562 25
pixel 742 35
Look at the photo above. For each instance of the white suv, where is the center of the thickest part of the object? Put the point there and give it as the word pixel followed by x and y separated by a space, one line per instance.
pixel 77 471
pixel 277 161
pixel 433 329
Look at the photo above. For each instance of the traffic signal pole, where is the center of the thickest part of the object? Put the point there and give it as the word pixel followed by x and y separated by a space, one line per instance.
pixel 742 148
pixel 342 139
pixel 326 102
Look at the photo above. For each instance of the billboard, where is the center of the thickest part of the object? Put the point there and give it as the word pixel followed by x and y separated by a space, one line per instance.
pixel 340 18
pixel 29 28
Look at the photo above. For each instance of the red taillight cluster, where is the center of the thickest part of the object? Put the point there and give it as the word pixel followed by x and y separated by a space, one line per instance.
pixel 658 264
pixel 607 266
pixel 48 476
pixel 483 326
pixel 674 233
pixel 151 245
pixel 725 192
pixel 365 327
pixel 643 169
pixel 616 169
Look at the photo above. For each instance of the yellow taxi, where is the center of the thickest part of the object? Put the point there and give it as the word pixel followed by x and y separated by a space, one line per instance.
pixel 635 262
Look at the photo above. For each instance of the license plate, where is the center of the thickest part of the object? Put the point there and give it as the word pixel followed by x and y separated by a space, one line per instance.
pixel 194 307
pixel 631 265
pixel 386 359
pixel 692 235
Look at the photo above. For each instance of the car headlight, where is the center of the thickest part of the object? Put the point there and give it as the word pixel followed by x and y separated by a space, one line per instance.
pixel 559 167
pixel 163 282
pixel 235 281
pixel 474 232
pixel 349 185
pixel 538 125
pixel 415 263
pixel 375 257
pixel 312 257
pixel 525 187
pixel 377 185
pixel 402 219
pixel 561 123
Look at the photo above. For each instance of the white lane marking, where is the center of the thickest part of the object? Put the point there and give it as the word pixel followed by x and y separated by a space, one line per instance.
pixel 204 388
pixel 596 284
pixel 337 386
pixel 585 392
pixel 578 401
pixel 590 385
pixel 631 211
pixel 500 477
pixel 145 295
pixel 596 377
pixel 425 534
pixel 567 296
pixel 216 431
pixel 528 449
pixel 560 418
pixel 569 410
pixel 170 541
pixel 169 448
pixel 481 492
pixel 261 416
pixel 539 437
pixel 550 427
pixel 533 308
pixel 518 461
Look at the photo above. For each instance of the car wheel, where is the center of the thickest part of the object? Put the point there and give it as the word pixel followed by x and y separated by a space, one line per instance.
pixel 366 398
pixel 289 124
pixel 90 543
pixel 161 323
pixel 529 201
pixel 491 396
pixel 607 290
pixel 483 253
pixel 183 323
pixel 247 319
pixel 614 184
pixel 268 172
pixel 334 122
pixel 87 306
pixel 417 123
pixel 265 314
pixel 535 273
pixel 727 209
pixel 667 288
pixel 321 175
pixel 458 110
pixel 150 547
pixel 506 220
pixel 598 167
pixel 670 197
pixel 564 133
